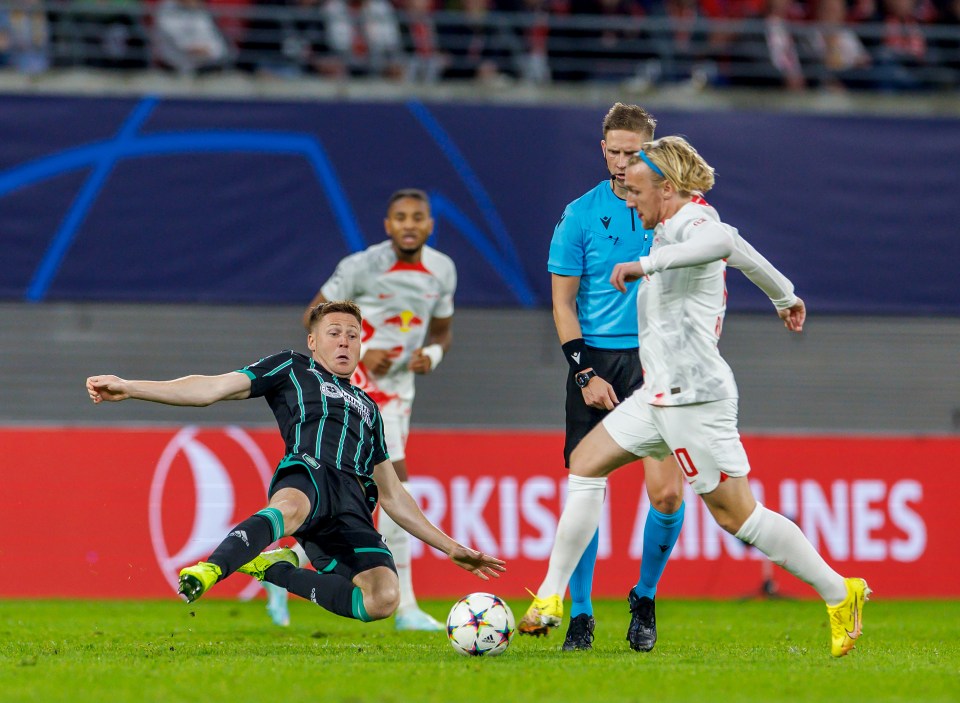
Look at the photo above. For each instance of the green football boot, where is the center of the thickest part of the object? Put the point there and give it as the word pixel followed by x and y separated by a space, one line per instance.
pixel 197 580
pixel 259 565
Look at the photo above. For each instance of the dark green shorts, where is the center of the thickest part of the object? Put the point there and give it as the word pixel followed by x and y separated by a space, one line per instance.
pixel 339 536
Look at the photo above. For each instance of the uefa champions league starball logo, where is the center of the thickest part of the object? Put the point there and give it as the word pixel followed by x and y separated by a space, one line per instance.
pixel 205 482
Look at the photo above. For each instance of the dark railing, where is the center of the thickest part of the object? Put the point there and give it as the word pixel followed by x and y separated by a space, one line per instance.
pixel 323 41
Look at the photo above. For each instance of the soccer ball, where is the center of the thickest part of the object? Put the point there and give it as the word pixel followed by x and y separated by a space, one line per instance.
pixel 479 625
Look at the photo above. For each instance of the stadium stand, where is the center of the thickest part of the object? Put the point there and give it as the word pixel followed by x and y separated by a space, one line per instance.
pixel 882 45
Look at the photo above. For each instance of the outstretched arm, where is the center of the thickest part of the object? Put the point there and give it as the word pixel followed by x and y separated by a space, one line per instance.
pixel 188 391
pixel 767 278
pixel 401 506
pixel 712 242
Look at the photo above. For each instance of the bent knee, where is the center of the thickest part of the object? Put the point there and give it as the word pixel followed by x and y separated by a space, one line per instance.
pixel 382 603
pixel 293 505
pixel 666 499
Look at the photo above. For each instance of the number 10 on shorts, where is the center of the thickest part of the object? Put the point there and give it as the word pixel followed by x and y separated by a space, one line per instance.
pixel 686 463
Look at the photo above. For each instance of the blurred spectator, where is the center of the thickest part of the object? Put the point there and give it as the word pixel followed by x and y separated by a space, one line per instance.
pixel 679 48
pixel 187 39
pixel 724 44
pixel 948 46
pixel 845 59
pixel 24 37
pixel 861 10
pixel 230 17
pixel 781 43
pixel 427 62
pixel 363 37
pixel 111 34
pixel 480 47
pixel 903 51
pixel 534 62
pixel 285 40
pixel 6 38
pixel 612 48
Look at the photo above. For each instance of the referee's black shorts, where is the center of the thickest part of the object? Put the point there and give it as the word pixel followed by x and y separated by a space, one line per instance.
pixel 339 536
pixel 618 367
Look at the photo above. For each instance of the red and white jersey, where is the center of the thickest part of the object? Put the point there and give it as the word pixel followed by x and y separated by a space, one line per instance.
pixel 398 301
pixel 682 304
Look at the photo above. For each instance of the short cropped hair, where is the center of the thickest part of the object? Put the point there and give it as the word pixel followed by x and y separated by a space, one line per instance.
pixel 414 193
pixel 630 118
pixel 318 312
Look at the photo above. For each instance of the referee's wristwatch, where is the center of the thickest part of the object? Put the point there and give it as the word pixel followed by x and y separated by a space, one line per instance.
pixel 583 377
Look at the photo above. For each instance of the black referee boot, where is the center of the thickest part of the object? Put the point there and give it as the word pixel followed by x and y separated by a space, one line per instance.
pixel 642 633
pixel 580 633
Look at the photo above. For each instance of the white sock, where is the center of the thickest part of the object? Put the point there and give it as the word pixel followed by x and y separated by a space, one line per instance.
pixel 301 555
pixel 398 541
pixel 786 545
pixel 577 525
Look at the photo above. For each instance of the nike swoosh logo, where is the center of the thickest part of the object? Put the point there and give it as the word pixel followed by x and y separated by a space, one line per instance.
pixel 856 623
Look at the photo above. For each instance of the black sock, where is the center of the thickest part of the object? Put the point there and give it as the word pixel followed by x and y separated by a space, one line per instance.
pixel 244 542
pixel 334 592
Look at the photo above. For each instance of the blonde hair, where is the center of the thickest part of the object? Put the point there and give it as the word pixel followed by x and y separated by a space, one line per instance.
pixel 679 163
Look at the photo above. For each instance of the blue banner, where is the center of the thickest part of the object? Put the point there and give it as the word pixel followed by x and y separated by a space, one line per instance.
pixel 148 200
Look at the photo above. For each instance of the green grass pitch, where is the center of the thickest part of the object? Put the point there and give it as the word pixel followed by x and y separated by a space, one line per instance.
pixel 214 650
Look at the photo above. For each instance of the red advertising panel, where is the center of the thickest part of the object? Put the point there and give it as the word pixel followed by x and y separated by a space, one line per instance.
pixel 121 511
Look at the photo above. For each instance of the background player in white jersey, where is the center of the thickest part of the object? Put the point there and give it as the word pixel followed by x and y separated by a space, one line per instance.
pixel 405 290
pixel 688 402
pixel 597 327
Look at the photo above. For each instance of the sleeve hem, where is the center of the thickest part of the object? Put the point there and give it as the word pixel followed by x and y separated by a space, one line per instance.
pixel 564 271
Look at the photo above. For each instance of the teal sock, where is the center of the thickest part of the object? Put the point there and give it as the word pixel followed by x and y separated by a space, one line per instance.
pixel 359 612
pixel 275 518
pixel 660 533
pixel 581 582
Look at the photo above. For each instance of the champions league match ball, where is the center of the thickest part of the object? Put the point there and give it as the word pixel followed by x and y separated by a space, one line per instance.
pixel 480 625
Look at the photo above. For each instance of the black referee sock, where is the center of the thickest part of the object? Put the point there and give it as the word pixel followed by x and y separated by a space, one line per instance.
pixel 334 592
pixel 244 542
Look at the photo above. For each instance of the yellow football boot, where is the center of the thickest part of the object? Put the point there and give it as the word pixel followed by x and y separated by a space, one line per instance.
pixel 542 614
pixel 197 580
pixel 846 618
pixel 257 567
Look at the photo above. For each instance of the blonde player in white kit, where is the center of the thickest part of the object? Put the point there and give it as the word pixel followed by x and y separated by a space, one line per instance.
pixel 405 290
pixel 687 405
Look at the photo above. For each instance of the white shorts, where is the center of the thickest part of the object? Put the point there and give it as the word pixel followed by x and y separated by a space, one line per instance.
pixel 703 437
pixel 396 427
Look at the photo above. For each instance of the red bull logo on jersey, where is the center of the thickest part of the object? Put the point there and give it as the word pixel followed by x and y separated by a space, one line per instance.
pixel 362 380
pixel 406 321
pixel 366 331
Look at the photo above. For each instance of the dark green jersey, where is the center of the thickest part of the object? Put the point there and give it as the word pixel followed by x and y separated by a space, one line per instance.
pixel 319 413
